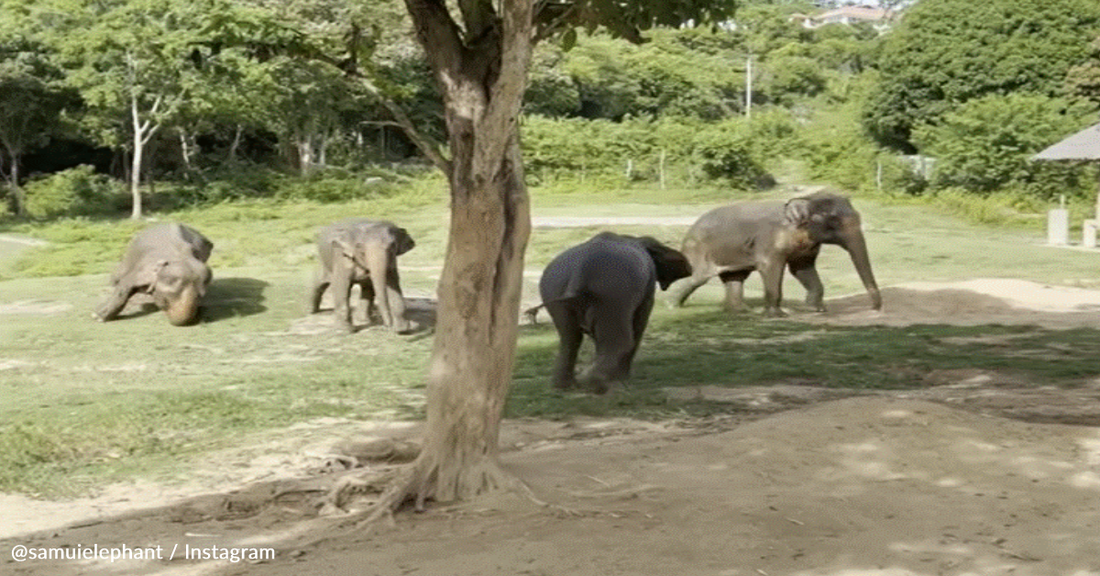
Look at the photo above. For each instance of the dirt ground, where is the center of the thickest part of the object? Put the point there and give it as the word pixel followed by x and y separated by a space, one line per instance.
pixel 977 474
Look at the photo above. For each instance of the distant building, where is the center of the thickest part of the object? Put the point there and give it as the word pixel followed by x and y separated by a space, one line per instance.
pixel 878 17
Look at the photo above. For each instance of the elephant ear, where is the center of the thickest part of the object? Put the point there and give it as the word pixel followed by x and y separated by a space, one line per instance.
pixel 670 264
pixel 402 241
pixel 797 211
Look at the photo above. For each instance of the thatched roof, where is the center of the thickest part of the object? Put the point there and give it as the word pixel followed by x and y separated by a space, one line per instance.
pixel 1084 145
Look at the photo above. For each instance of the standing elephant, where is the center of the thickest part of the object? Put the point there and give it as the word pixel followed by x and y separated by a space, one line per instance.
pixel 604 288
pixel 362 252
pixel 732 241
pixel 167 261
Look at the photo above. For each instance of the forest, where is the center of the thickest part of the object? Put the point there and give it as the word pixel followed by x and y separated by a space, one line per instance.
pixel 123 106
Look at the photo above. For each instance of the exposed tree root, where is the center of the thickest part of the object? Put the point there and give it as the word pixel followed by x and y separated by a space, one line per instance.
pixel 418 484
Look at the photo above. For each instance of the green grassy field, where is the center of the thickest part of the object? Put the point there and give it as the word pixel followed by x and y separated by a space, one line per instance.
pixel 83 403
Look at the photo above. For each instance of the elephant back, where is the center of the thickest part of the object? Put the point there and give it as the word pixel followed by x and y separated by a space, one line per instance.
pixel 607 266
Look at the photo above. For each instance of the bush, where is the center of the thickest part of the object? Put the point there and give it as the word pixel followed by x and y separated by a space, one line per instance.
pixel 558 150
pixel 77 191
pixel 986 145
pixel 250 182
pixel 725 150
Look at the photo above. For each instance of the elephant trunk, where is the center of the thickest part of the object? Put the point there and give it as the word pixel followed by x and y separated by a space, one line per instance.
pixel 182 310
pixel 857 248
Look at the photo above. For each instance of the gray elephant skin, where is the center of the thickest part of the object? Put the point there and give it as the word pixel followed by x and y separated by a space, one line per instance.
pixel 363 252
pixel 605 288
pixel 732 241
pixel 167 261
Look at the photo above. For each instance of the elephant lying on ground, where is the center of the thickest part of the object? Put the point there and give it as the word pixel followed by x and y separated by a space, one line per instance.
pixel 732 241
pixel 604 288
pixel 167 261
pixel 362 252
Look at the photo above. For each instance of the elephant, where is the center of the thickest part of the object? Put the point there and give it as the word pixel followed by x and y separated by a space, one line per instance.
pixel 167 261
pixel 605 288
pixel 363 252
pixel 732 241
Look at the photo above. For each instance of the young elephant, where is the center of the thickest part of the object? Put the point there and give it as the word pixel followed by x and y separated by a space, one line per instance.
pixel 732 241
pixel 167 261
pixel 362 252
pixel 604 288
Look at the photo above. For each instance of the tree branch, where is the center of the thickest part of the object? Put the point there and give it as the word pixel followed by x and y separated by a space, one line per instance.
pixel 511 82
pixel 478 16
pixel 548 21
pixel 438 34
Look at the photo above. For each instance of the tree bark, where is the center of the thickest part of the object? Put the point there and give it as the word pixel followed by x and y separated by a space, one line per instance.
pixel 135 171
pixel 482 78
pixel 17 193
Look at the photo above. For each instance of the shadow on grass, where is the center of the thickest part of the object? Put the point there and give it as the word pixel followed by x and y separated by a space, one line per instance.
pixel 232 298
pixel 691 348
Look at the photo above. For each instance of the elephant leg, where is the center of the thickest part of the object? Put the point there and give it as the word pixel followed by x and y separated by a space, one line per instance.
pixel 772 273
pixel 396 300
pixel 110 308
pixel 684 289
pixel 641 319
pixel 806 274
pixel 383 275
pixel 320 284
pixel 735 290
pixel 613 331
pixel 567 321
pixel 341 293
pixel 366 301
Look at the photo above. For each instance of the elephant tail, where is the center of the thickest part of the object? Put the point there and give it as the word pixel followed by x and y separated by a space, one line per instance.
pixel 532 313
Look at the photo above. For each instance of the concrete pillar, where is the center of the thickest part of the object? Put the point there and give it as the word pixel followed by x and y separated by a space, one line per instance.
pixel 1089 229
pixel 1058 227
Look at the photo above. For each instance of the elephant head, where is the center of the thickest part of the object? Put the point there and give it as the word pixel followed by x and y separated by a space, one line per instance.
pixel 671 264
pixel 356 242
pixel 179 288
pixel 831 219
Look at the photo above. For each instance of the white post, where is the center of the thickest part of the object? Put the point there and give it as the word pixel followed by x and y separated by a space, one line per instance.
pixel 1058 227
pixel 748 87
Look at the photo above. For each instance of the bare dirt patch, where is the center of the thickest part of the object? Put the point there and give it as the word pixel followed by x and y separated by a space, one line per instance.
pixel 970 303
pixel 899 483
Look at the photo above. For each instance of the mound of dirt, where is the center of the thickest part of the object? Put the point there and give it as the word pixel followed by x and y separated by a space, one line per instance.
pixel 973 302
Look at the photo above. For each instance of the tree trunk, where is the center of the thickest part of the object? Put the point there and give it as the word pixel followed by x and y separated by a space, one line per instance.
pixel 16 190
pixel 475 341
pixel 236 144
pixel 479 291
pixel 304 148
pixel 135 174
pixel 186 150
pixel 17 194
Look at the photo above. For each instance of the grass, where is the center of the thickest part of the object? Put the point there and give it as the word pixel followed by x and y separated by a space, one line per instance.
pixel 83 403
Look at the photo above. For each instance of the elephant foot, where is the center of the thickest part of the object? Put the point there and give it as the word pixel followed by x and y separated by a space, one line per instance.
pixel 774 313
pixel 603 388
pixel 345 328
pixel 736 310
pixel 565 384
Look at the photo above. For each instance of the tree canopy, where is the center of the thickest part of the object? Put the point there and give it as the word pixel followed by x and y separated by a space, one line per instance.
pixel 946 52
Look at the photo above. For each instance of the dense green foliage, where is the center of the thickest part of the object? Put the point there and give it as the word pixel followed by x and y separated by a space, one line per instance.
pixel 979 151
pixel 947 52
pixel 251 99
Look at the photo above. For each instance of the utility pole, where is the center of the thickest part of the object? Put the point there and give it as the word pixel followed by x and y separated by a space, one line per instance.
pixel 748 87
